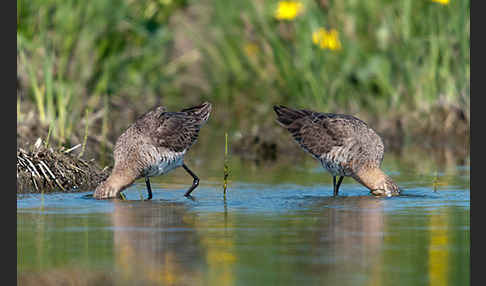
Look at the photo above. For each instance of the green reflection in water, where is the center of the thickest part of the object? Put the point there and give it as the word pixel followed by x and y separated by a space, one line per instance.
pixel 351 241
pixel 46 240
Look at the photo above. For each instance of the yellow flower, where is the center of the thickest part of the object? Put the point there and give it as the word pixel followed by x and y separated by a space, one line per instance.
pixel 327 39
pixel 288 10
pixel 442 2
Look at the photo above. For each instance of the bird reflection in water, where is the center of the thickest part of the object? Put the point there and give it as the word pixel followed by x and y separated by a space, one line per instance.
pixel 155 244
pixel 347 238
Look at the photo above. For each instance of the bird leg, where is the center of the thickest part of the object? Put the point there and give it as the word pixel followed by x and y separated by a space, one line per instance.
pixel 336 186
pixel 195 183
pixel 149 189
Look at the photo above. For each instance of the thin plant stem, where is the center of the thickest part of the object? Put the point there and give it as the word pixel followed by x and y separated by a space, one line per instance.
pixel 226 167
pixel 51 126
pixel 85 139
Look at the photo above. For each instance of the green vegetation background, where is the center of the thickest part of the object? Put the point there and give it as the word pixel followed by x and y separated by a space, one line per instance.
pixel 96 64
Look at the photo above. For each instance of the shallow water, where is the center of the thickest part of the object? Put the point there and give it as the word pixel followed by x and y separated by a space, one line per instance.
pixel 278 225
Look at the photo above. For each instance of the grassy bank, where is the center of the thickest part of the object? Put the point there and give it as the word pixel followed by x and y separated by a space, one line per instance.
pixel 86 69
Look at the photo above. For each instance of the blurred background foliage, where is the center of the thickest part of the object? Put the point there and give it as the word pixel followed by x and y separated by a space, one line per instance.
pixel 102 63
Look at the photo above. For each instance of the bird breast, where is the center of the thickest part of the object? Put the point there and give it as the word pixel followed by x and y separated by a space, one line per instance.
pixel 336 161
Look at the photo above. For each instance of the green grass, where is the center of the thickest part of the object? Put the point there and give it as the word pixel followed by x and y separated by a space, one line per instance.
pixel 395 54
pixel 396 57
pixel 71 54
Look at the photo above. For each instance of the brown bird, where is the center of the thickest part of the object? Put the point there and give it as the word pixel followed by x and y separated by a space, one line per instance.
pixel 344 144
pixel 154 145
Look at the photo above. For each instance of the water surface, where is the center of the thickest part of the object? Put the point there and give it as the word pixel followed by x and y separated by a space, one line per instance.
pixel 278 225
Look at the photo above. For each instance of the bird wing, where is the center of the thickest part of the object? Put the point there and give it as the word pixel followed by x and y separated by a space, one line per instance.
pixel 319 133
pixel 177 131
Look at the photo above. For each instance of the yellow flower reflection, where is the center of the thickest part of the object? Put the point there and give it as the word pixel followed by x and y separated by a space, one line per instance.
pixel 443 2
pixel 327 39
pixel 288 10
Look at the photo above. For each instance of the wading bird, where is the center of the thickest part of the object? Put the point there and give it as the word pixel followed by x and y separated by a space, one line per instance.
pixel 344 144
pixel 154 145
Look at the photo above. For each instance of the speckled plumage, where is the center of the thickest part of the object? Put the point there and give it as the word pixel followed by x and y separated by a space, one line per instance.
pixel 153 145
pixel 344 144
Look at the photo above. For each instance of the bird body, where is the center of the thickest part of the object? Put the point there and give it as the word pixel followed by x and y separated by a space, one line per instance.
pixel 165 163
pixel 345 146
pixel 153 145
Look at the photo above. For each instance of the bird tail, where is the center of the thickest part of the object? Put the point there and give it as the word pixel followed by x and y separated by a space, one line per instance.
pixel 200 112
pixel 286 116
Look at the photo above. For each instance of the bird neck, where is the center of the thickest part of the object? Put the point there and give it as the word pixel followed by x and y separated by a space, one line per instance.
pixel 120 179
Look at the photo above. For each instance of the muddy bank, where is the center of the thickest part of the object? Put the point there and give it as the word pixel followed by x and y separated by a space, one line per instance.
pixel 42 169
